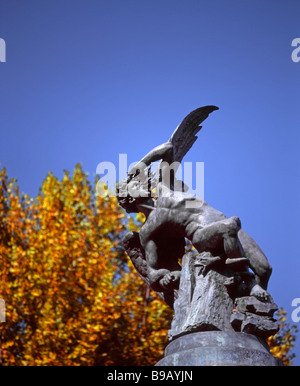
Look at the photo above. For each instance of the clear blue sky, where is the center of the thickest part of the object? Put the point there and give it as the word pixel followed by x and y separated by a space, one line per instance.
pixel 86 80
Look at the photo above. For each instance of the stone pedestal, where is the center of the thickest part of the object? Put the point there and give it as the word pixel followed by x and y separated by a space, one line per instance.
pixel 218 319
pixel 218 348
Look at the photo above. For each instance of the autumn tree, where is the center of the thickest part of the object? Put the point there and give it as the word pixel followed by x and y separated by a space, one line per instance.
pixel 282 344
pixel 72 296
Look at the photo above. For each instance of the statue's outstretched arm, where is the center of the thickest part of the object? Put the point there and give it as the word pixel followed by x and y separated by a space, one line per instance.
pixel 180 142
pixel 161 152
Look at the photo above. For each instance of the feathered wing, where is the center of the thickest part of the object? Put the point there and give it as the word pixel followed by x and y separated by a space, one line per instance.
pixel 184 136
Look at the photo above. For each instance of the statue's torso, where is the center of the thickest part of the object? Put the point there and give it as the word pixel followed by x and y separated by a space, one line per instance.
pixel 179 215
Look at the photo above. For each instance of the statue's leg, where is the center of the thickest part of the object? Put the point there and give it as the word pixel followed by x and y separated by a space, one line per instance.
pixel 160 272
pixel 258 261
pixel 220 234
pixel 236 243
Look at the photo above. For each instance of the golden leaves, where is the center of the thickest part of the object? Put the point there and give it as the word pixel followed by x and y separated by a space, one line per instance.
pixel 71 296
pixel 282 344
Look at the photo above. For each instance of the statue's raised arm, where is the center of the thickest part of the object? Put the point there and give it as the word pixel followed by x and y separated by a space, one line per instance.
pixel 171 153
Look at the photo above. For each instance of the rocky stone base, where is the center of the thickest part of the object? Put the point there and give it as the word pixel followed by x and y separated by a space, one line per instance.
pixel 254 317
pixel 218 348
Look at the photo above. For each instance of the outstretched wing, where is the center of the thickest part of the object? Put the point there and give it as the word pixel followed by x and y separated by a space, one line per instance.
pixel 184 136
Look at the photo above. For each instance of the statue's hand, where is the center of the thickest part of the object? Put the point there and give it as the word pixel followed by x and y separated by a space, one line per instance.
pixel 171 279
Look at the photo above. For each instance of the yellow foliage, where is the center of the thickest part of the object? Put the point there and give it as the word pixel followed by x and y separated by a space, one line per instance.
pixel 71 296
pixel 282 344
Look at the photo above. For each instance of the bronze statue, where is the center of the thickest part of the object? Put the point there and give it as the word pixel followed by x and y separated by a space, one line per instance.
pixel 169 220
pixel 221 284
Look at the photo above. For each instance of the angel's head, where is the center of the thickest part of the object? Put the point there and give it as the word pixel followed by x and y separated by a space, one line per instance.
pixel 130 193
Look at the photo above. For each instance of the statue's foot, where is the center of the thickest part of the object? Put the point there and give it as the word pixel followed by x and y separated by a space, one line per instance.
pixel 238 262
pixel 260 293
